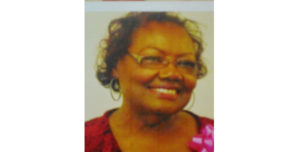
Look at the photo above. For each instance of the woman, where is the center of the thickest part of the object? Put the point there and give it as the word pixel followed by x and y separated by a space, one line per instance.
pixel 154 61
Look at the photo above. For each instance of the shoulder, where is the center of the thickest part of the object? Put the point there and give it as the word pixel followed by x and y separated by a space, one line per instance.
pixel 201 121
pixel 98 135
pixel 96 122
pixel 205 133
pixel 98 125
pixel 94 133
pixel 205 120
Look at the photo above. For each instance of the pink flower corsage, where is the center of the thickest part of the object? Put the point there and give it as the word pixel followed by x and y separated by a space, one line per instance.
pixel 203 142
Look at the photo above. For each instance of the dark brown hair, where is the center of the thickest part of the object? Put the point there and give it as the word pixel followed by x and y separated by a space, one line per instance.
pixel 120 31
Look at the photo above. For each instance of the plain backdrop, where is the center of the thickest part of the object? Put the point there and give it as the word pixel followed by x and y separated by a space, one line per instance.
pixel 98 99
pixel 256 74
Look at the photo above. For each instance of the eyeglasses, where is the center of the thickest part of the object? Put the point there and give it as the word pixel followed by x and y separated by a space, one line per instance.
pixel 186 66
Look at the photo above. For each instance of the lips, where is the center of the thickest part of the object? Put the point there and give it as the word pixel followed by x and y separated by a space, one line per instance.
pixel 169 92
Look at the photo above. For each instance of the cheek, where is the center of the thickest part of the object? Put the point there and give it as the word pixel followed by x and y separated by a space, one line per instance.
pixel 144 76
pixel 190 82
pixel 131 73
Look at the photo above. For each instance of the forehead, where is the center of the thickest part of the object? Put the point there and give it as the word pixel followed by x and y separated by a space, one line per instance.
pixel 166 36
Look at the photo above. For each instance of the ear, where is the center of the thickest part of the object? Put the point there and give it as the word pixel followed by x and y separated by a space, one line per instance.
pixel 115 73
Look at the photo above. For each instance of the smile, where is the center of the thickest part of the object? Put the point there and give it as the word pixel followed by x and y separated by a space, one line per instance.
pixel 167 91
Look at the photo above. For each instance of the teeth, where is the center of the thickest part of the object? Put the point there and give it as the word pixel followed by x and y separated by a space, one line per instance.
pixel 169 91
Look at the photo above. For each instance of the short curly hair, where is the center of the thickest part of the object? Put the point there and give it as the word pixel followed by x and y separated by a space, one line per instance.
pixel 120 31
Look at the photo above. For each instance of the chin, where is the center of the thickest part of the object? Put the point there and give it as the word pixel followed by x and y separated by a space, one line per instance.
pixel 161 106
pixel 173 108
pixel 167 110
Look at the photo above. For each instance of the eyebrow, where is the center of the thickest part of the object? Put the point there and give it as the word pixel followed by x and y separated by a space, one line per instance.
pixel 160 50
pixel 163 52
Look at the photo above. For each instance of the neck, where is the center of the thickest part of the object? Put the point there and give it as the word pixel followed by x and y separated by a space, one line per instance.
pixel 147 121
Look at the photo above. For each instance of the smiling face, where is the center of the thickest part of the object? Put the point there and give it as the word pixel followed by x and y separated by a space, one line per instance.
pixel 164 90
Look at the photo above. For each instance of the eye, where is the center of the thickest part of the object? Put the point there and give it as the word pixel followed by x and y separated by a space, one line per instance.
pixel 186 64
pixel 151 60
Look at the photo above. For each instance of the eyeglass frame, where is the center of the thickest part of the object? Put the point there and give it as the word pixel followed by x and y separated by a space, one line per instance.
pixel 139 58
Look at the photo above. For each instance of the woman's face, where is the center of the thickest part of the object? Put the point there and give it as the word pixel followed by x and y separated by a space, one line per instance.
pixel 163 90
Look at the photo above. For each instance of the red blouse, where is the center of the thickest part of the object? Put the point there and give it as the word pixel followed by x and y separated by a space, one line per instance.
pixel 99 138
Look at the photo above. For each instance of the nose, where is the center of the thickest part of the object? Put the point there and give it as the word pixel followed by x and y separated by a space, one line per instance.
pixel 170 72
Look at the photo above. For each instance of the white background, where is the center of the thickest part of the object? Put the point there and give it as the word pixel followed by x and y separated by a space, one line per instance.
pixel 256 76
